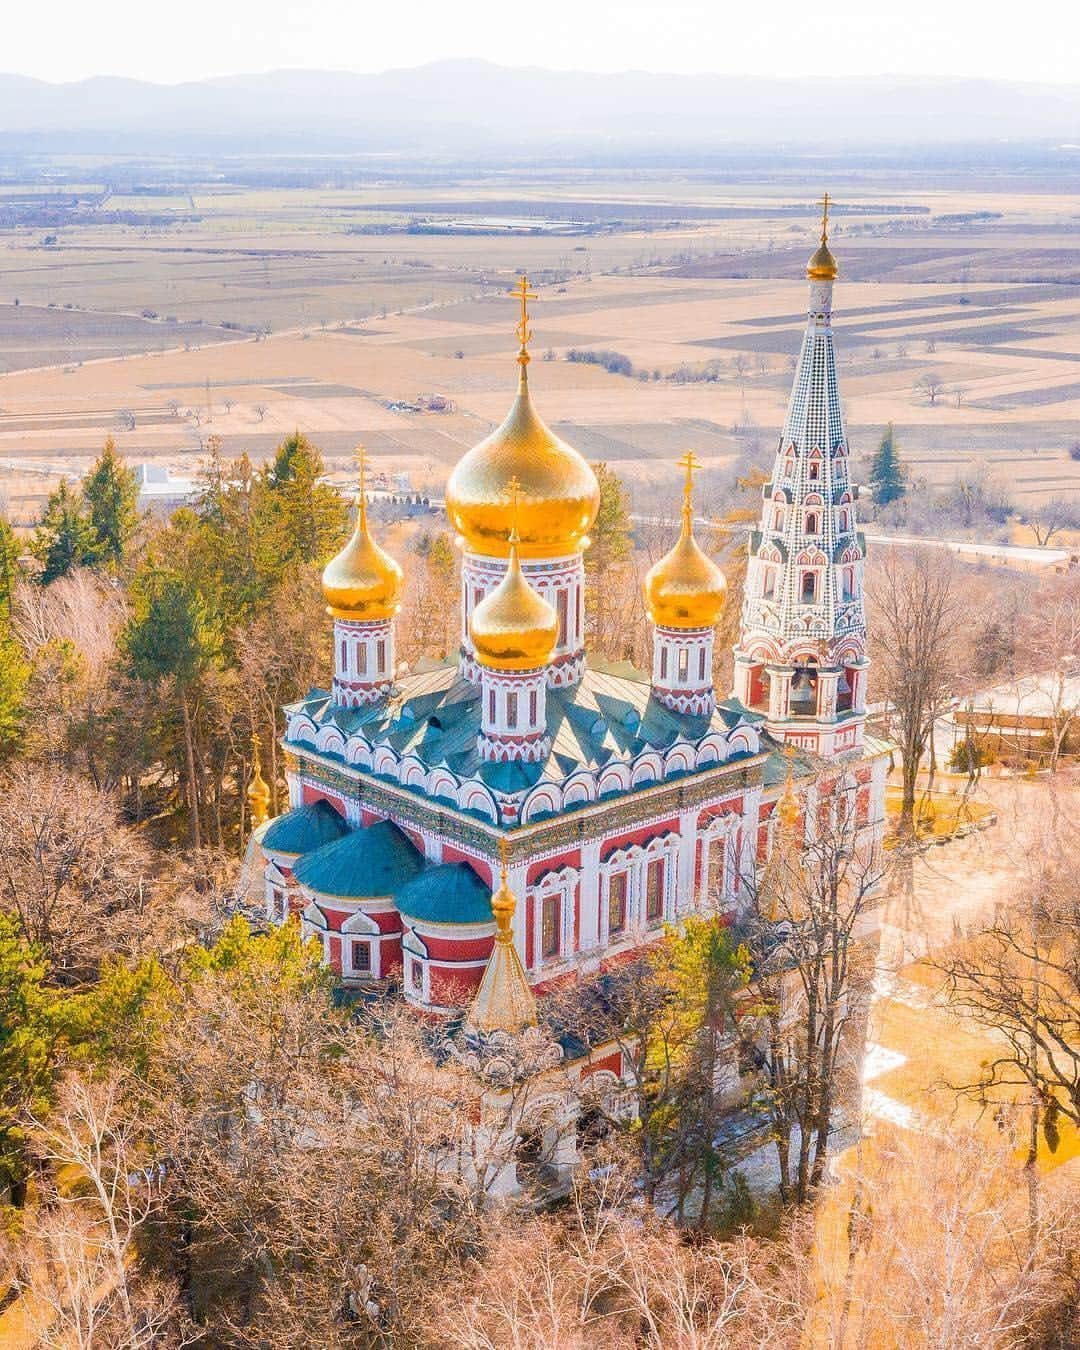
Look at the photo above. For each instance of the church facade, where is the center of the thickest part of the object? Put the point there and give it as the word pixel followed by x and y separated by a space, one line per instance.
pixel 611 803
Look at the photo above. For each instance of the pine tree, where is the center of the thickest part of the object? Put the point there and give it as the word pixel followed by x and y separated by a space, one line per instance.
pixel 9 568
pixel 14 678
pixel 27 1049
pixel 111 495
pixel 65 539
pixel 311 516
pixel 887 477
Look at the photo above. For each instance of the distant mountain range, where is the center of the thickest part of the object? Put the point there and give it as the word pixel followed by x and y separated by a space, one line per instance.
pixel 475 107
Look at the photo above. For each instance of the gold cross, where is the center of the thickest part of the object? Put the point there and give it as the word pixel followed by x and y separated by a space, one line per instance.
pixel 361 464
pixel 824 204
pixel 690 463
pixel 524 332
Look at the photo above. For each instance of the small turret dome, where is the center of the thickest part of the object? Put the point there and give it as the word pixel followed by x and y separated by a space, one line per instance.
pixel 362 582
pixel 685 589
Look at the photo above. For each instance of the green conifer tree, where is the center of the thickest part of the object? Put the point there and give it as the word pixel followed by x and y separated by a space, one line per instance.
pixel 9 568
pixel 111 495
pixel 27 1049
pixel 887 478
pixel 65 539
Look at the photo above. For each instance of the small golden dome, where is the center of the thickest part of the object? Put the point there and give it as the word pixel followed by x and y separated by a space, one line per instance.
pixel 362 582
pixel 513 628
pixel 685 589
pixel 822 266
pixel 558 493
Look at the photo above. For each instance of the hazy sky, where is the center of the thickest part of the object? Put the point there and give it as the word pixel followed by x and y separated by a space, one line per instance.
pixel 69 39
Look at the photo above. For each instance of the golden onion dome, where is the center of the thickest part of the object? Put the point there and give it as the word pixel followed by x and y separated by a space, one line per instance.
pixel 362 582
pixel 685 589
pixel 558 493
pixel 513 628
pixel 822 265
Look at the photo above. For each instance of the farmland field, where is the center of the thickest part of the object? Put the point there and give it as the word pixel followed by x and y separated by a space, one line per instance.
pixel 245 313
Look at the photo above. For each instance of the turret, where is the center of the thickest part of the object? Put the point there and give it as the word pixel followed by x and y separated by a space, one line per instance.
pixel 362 586
pixel 513 632
pixel 801 655
pixel 685 594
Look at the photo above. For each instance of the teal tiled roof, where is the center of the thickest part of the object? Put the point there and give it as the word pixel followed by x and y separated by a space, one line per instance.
pixel 610 716
pixel 374 861
pixel 305 828
pixel 448 893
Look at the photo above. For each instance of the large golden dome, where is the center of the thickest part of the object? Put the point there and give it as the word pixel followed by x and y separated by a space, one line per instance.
pixel 362 582
pixel 685 589
pixel 513 628
pixel 558 498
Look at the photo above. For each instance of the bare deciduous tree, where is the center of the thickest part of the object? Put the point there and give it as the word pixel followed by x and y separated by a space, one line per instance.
pixel 917 619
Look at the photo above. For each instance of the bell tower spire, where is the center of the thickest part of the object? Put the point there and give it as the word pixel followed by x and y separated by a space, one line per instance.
pixel 801 655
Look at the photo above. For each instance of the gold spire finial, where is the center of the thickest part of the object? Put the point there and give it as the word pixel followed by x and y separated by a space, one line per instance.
pixel 258 792
pixel 824 204
pixel 524 332
pixel 504 1001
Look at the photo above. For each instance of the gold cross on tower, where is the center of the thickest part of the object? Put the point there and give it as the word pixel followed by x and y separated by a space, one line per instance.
pixel 691 464
pixel 524 332
pixel 824 204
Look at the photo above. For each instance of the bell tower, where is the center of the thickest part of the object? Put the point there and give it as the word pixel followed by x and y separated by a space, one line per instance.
pixel 801 655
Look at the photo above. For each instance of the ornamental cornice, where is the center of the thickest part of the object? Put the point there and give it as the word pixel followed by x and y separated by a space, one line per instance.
pixel 572 829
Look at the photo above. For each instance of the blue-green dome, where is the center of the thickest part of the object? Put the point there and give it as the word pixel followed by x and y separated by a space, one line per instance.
pixel 305 828
pixel 448 893
pixel 373 861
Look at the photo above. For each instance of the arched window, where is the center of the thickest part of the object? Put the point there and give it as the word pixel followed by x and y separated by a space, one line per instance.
pixel 777 518
pixel 812 522
pixel 758 687
pixel 768 583
pixel 654 891
pixel 808 588
pixel 617 889
pixel 847 583
pixel 549 927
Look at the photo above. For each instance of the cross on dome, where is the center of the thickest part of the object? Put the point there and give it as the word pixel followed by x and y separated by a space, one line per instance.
pixel 361 466
pixel 822 266
pixel 691 464
pixel 524 332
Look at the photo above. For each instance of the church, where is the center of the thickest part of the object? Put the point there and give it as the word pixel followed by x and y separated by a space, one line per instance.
pixel 470 833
